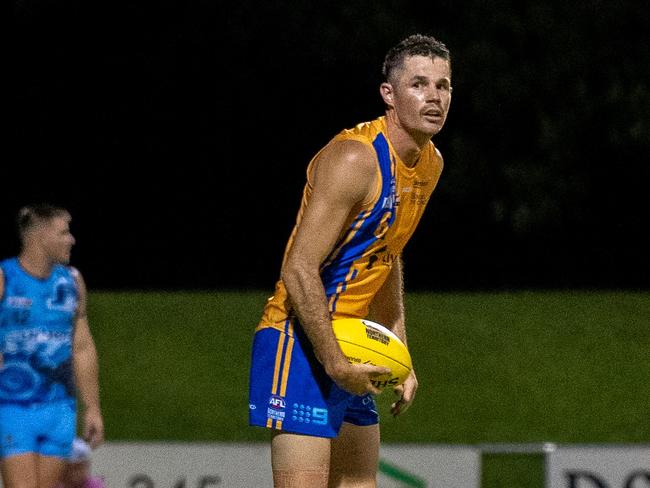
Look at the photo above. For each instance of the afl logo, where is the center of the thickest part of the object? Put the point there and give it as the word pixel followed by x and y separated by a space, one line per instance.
pixel 277 403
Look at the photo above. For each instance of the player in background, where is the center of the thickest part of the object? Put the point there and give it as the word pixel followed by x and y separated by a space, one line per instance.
pixel 47 351
pixel 366 191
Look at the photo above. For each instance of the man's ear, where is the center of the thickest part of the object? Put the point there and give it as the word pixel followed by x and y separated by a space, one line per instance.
pixel 386 91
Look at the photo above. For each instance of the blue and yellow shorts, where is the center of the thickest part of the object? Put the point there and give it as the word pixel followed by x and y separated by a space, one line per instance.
pixel 290 391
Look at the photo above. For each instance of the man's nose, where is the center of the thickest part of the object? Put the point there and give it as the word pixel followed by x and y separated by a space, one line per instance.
pixel 433 93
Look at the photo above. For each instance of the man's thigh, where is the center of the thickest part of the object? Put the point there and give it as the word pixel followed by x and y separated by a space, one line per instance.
pixel 20 471
pixel 30 470
pixel 50 470
pixel 299 461
pixel 355 456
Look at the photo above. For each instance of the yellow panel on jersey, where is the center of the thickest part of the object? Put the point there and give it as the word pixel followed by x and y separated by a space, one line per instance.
pixel 367 248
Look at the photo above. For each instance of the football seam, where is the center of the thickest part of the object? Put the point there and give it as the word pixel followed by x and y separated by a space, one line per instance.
pixel 381 354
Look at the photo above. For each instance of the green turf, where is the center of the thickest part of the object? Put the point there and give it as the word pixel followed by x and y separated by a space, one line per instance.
pixel 174 365
pixel 512 471
pixel 565 367
pixel 529 367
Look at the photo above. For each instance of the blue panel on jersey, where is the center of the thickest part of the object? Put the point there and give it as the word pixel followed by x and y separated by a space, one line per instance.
pixel 335 272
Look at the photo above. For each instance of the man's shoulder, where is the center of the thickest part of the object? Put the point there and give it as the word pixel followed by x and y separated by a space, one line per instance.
pixel 364 132
pixel 8 267
pixel 7 262
pixel 348 155
pixel 346 168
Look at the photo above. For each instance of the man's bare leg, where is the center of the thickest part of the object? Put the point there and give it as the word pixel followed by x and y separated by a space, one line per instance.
pixel 300 461
pixel 355 457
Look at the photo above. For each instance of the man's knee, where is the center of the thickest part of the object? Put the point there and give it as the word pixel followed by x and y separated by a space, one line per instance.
pixel 338 479
pixel 21 483
pixel 301 478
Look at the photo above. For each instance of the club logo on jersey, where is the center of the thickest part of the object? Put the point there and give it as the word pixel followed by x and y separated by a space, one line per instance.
pixel 64 296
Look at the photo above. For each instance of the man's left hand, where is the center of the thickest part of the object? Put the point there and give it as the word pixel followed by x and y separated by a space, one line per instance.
pixel 406 394
pixel 93 428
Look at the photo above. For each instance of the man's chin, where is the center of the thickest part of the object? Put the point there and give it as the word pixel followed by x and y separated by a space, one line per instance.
pixel 432 130
pixel 432 127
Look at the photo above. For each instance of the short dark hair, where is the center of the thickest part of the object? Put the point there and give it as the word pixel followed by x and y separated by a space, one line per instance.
pixel 413 45
pixel 31 215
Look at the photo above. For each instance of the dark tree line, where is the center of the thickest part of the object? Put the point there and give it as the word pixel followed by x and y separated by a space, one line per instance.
pixel 178 135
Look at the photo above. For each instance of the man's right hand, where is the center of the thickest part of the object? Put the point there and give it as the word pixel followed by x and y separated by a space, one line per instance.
pixel 356 378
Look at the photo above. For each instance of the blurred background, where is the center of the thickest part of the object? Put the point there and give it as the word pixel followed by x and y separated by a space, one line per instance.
pixel 178 134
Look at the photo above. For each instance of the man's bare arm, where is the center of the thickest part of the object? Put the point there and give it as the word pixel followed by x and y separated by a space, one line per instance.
pixel 344 176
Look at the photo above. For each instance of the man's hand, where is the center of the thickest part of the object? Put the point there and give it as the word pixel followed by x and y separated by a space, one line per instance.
pixel 93 428
pixel 406 394
pixel 356 378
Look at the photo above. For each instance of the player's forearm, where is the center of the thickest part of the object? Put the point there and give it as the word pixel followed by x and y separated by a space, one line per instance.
pixel 399 328
pixel 389 312
pixel 87 376
pixel 387 306
pixel 308 299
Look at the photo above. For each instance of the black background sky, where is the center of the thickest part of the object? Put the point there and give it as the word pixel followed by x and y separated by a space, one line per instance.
pixel 178 134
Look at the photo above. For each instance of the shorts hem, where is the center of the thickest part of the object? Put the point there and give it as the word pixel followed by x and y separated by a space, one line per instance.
pixel 17 452
pixel 293 431
pixel 361 423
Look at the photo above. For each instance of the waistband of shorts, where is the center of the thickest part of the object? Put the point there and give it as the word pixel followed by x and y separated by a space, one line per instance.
pixel 287 326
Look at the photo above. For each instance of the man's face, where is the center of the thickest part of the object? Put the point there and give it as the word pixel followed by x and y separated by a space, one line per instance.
pixel 55 238
pixel 422 94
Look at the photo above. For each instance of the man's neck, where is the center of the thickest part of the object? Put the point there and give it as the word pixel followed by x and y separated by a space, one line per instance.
pixel 36 264
pixel 407 145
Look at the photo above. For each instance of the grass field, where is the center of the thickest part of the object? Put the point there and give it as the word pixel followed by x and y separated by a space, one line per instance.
pixel 515 367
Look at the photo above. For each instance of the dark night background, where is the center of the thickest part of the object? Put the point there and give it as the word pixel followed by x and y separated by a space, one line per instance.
pixel 178 134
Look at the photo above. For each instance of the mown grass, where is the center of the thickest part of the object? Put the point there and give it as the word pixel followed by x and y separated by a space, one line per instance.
pixel 510 367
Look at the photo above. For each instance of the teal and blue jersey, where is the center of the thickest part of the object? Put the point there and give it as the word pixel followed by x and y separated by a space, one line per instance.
pixel 36 335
